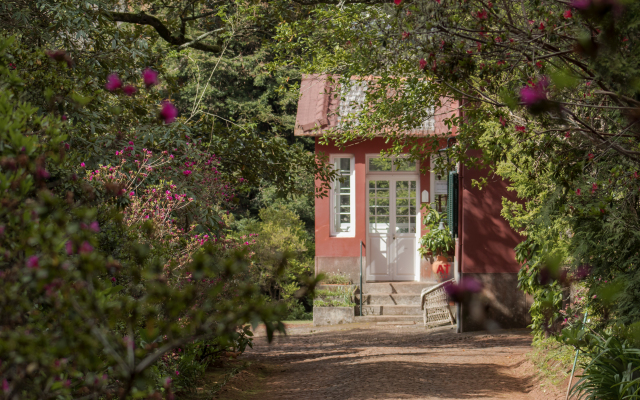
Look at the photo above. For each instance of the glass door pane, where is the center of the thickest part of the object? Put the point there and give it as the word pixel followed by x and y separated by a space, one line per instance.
pixel 405 206
pixel 379 196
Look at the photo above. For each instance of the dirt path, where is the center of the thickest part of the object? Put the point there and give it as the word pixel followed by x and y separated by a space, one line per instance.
pixel 368 361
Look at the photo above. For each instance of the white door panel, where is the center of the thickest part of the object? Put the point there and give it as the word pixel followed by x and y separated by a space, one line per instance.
pixel 392 227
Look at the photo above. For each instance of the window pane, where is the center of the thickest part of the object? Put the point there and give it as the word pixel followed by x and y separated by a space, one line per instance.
pixel 345 200
pixel 380 164
pixel 402 164
pixel 345 164
pixel 383 210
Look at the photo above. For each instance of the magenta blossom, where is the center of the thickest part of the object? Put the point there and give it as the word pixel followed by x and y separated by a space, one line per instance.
pixel 423 63
pixel 32 262
pixel 567 14
pixel 460 292
pixel 82 165
pixel 169 112
pixel 186 172
pixel 69 247
pixel 94 226
pixel 113 83
pixel 397 2
pixel 85 248
pixel 5 386
pixel 581 4
pixel 531 95
pixel 150 77
pixel 129 90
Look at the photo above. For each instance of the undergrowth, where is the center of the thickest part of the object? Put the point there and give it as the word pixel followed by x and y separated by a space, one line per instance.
pixel 553 361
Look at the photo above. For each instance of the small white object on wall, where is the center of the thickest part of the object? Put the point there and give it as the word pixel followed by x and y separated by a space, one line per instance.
pixel 425 196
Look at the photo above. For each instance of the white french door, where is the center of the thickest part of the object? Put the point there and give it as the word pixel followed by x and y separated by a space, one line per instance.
pixel 392 226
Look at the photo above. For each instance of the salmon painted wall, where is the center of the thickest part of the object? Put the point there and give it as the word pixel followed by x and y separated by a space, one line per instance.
pixel 488 242
pixel 328 246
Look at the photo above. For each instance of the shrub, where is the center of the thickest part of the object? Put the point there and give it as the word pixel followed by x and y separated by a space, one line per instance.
pixel 340 297
pixel 336 278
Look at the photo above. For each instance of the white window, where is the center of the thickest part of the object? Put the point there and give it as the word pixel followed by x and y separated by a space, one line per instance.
pixel 396 164
pixel 343 199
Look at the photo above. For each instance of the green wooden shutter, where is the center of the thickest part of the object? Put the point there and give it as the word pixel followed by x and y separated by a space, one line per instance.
pixel 452 203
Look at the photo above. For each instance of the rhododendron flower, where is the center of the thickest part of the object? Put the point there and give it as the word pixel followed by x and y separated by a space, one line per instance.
pixel 590 156
pixel 64 117
pixel 82 164
pixel 85 248
pixel 594 187
pixel 5 386
pixel 129 90
pixel 186 172
pixel 635 174
pixel 113 279
pixel 567 14
pixel 519 128
pixel 541 27
pixel 69 247
pixel 94 226
pixel 397 2
pixel 531 95
pixel 567 135
pixel 132 194
pixel 460 292
pixel 578 192
pixel 423 63
pixel 169 112
pixel 405 35
pixel 32 262
pixel 581 4
pixel 113 83
pixel 482 14
pixel 150 77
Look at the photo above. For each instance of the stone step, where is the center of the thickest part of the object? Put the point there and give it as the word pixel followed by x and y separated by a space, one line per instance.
pixel 389 299
pixel 389 310
pixel 394 319
pixel 396 287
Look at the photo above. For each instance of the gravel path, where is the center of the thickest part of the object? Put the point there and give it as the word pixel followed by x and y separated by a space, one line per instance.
pixel 374 361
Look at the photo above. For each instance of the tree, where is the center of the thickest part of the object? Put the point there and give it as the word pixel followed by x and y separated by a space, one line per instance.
pixel 550 97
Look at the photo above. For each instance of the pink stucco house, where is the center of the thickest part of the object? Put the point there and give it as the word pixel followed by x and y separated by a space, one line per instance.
pixel 378 206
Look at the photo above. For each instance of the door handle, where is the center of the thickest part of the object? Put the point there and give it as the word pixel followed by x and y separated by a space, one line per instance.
pixel 394 237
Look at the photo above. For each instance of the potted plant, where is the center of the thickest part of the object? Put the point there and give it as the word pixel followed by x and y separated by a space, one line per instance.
pixel 438 241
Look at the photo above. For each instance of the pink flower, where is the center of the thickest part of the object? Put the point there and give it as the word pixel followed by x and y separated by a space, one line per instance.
pixel 423 63
pixel 567 14
pixel 482 14
pixel 578 192
pixel 460 292
pixel 82 165
pixel 85 248
pixel 113 83
pixel 130 142
pixel 581 4
pixel 132 194
pixel 397 2
pixel 177 372
pixel 186 172
pixel 113 279
pixel 405 35
pixel 69 247
pixel 541 27
pixel 519 128
pixel 169 112
pixel 594 187
pixel 567 135
pixel 590 156
pixel 129 90
pixel 170 155
pixel 5 386
pixel 64 118
pixel 32 262
pixel 150 77
pixel 531 95
pixel 94 226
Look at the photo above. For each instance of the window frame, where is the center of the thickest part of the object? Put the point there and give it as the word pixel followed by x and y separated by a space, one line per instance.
pixel 352 195
pixel 392 172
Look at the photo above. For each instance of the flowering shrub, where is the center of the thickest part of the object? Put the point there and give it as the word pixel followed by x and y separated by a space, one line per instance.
pixel 76 321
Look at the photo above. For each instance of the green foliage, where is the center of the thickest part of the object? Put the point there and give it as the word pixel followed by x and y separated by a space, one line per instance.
pixel 336 297
pixel 336 278
pixel 611 368
pixel 552 360
pixel 437 241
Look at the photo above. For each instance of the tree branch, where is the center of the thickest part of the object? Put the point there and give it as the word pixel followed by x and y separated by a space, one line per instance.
pixel 163 31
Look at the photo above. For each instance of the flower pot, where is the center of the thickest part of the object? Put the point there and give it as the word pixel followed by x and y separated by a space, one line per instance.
pixel 442 268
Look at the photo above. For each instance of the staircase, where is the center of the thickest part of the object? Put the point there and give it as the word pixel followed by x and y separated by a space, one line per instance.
pixel 391 302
